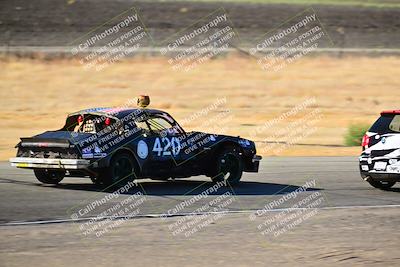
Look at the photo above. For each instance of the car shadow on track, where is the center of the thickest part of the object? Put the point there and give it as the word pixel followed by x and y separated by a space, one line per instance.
pixel 185 187
pixel 393 189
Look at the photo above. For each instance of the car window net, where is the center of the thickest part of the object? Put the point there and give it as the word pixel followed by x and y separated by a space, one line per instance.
pixel 158 124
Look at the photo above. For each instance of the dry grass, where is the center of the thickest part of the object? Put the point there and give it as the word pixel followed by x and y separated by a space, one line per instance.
pixel 36 95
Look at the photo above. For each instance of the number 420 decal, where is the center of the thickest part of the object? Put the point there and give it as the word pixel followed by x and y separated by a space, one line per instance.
pixel 164 146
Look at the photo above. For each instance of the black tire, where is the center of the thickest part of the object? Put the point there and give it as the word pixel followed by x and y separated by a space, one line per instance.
pixel 95 180
pixel 381 184
pixel 228 166
pixel 47 176
pixel 122 169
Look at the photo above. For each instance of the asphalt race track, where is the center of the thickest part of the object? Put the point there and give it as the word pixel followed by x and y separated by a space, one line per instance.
pixel 23 198
pixel 55 23
pixel 353 224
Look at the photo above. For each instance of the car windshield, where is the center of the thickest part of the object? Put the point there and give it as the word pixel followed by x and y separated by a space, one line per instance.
pixel 387 123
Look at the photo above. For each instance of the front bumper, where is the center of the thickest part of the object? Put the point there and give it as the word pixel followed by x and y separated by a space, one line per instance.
pixel 46 163
pixel 253 165
pixel 379 168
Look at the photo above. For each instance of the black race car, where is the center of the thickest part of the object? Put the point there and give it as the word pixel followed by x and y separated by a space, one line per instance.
pixel 116 145
pixel 380 159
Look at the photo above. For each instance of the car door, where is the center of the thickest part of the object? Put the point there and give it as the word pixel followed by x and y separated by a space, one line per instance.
pixel 163 144
pixel 175 144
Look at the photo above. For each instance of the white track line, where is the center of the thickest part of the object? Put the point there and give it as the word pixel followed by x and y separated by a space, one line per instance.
pixel 150 215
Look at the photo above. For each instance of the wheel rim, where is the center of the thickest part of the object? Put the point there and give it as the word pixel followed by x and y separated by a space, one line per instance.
pixel 386 183
pixel 122 169
pixel 229 167
pixel 53 174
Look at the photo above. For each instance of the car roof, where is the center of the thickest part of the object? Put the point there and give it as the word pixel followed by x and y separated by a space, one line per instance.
pixel 117 112
pixel 396 111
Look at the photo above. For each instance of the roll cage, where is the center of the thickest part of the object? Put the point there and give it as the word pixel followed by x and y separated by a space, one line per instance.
pixel 153 122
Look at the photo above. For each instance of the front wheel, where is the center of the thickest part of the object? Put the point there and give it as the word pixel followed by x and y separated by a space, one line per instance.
pixel 229 166
pixel 381 184
pixel 47 176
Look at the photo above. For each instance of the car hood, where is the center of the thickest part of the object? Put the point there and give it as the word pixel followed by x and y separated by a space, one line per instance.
pixel 216 138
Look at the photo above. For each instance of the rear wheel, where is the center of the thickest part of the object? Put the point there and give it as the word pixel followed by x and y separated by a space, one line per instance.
pixel 229 166
pixel 121 170
pixel 381 184
pixel 47 176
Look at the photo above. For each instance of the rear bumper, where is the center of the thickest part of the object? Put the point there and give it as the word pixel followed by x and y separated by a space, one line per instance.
pixel 32 163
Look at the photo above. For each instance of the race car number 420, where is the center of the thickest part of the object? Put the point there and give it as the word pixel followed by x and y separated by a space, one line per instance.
pixel 163 147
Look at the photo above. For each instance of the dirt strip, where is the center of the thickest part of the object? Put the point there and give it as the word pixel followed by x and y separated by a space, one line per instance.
pixel 334 237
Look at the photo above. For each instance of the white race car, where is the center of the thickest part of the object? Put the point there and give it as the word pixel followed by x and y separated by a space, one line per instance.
pixel 380 159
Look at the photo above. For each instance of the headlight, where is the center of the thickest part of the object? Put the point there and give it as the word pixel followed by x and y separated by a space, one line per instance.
pixel 244 142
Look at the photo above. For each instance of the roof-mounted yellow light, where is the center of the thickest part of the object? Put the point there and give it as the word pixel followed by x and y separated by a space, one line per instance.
pixel 143 101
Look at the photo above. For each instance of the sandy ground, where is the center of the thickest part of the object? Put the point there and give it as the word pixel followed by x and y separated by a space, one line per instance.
pixel 36 95
pixel 327 238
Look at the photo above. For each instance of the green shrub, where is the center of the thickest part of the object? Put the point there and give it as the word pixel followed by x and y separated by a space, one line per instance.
pixel 355 133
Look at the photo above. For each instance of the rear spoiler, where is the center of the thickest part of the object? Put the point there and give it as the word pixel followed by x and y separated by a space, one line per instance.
pixel 44 142
pixel 385 112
